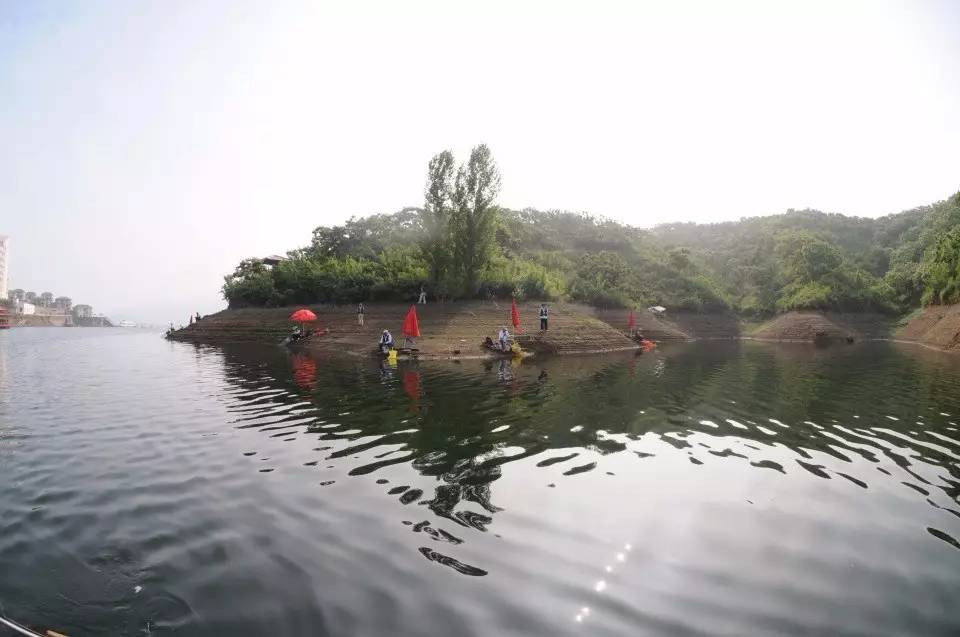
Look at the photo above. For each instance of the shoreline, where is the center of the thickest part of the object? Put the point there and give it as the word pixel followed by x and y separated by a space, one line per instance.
pixel 455 330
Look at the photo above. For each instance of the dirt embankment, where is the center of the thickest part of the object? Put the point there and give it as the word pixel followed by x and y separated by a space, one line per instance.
pixel 651 326
pixel 456 329
pixel 824 327
pixel 41 320
pixel 448 329
pixel 936 326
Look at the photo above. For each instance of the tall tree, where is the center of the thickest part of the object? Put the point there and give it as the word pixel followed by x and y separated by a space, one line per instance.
pixel 473 222
pixel 436 215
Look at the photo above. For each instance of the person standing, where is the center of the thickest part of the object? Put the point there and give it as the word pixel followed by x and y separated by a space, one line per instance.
pixel 360 309
pixel 544 316
pixel 423 296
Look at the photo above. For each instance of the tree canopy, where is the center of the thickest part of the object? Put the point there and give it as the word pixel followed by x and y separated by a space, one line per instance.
pixel 461 244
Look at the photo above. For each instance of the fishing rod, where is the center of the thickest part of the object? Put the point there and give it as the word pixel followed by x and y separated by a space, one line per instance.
pixel 23 630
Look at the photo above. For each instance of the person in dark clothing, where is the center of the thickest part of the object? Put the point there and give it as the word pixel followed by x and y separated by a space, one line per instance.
pixel 544 316
pixel 360 310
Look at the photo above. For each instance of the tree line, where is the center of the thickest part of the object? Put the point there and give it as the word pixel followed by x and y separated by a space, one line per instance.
pixel 461 245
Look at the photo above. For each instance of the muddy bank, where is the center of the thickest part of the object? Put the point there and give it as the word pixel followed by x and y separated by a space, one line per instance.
pixel 456 329
pixel 824 327
pixel 41 320
pixel 448 329
pixel 936 326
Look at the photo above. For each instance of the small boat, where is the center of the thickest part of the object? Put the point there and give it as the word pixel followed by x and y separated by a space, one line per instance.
pixel 645 345
pixel 399 352
pixel 495 352
pixel 126 324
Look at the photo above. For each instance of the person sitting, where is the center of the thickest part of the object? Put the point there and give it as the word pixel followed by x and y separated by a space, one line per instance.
pixel 504 337
pixel 488 343
pixel 297 333
pixel 386 341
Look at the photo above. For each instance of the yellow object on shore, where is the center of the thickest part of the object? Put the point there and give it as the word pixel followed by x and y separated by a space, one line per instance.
pixel 392 354
pixel 516 349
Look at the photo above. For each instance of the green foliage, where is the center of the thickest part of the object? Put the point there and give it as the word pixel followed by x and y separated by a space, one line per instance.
pixel 604 279
pixel 462 245
pixel 941 275
pixel 250 284
pixel 366 237
pixel 474 216
pixel 436 241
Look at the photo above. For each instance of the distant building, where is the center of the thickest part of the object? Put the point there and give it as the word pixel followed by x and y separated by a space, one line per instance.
pixel 272 260
pixel 28 308
pixel 82 311
pixel 4 258
pixel 63 304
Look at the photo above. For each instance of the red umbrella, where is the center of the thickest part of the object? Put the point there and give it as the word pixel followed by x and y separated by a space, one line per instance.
pixel 515 316
pixel 411 327
pixel 632 321
pixel 302 315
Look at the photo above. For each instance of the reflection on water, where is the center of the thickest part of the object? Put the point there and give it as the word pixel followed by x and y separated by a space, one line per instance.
pixel 736 488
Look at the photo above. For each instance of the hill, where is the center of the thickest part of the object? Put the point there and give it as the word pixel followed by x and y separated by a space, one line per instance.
pixel 461 245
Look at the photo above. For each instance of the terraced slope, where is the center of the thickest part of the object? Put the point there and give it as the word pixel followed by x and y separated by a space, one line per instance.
pixel 935 326
pixel 448 329
pixel 817 326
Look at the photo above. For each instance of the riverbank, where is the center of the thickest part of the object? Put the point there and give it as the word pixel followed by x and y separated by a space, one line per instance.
pixel 456 329
pixel 937 326
pixel 41 320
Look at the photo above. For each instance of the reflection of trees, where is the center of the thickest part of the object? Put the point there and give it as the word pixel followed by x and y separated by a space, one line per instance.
pixel 446 420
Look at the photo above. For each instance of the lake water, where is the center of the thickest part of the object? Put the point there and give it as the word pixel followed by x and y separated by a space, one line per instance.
pixel 162 488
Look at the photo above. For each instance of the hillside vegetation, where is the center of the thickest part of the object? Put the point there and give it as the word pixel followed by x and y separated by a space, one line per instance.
pixel 461 245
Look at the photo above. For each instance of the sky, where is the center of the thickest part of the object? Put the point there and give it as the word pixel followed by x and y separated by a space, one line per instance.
pixel 147 147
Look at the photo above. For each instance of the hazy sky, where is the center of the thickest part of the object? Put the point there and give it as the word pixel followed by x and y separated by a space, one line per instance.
pixel 149 146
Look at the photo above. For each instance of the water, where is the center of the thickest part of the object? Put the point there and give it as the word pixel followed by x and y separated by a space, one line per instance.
pixel 734 488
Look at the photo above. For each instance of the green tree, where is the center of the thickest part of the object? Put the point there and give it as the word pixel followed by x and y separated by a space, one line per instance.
pixel 474 218
pixel 436 214
pixel 941 275
pixel 603 278
pixel 250 284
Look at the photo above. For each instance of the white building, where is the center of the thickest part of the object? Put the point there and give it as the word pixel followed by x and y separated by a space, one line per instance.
pixel 4 257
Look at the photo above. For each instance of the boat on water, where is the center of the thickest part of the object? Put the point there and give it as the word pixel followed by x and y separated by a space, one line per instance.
pixel 126 324
pixel 4 319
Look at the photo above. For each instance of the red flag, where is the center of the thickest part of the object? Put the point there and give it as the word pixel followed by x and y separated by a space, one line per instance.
pixel 632 321
pixel 515 316
pixel 411 327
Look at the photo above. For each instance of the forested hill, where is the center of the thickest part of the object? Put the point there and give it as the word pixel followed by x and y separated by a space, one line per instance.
pixel 461 245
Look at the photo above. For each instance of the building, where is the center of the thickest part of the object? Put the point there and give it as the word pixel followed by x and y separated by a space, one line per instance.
pixel 82 311
pixel 4 260
pixel 273 260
